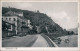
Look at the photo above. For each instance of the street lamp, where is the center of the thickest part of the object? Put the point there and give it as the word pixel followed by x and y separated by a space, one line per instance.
pixel 47 29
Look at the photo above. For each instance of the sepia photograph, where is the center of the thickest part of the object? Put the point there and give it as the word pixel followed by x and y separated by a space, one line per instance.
pixel 39 24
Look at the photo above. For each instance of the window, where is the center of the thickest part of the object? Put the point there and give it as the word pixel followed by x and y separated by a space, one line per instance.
pixel 9 18
pixel 6 18
pixel 14 19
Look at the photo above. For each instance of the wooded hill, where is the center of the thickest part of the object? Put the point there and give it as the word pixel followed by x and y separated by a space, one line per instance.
pixel 40 19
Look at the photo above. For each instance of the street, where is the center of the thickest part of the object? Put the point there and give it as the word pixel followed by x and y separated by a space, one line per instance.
pixel 25 41
pixel 38 41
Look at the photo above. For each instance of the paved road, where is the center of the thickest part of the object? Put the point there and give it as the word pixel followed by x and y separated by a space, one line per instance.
pixel 25 41
pixel 73 41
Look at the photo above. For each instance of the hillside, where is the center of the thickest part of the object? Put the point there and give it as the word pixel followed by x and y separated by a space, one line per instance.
pixel 75 30
pixel 36 18
pixel 41 20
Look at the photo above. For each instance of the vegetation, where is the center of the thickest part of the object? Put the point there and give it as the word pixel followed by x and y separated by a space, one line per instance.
pixel 41 20
pixel 4 26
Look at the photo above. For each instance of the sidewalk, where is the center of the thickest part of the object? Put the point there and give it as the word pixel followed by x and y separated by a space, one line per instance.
pixel 40 42
pixel 9 37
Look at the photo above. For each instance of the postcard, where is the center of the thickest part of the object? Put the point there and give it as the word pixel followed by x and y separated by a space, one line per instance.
pixel 40 25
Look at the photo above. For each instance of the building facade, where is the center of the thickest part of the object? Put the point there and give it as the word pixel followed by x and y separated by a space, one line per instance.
pixel 17 19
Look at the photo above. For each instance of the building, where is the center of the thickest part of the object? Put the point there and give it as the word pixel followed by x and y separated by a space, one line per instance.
pixel 17 18
pixel 8 29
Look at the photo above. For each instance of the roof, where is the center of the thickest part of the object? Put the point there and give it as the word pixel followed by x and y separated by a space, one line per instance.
pixel 8 23
pixel 12 13
pixel 13 16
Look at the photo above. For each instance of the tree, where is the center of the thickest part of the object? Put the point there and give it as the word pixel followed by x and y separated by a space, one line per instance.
pixel 4 26
pixel 72 32
pixel 34 29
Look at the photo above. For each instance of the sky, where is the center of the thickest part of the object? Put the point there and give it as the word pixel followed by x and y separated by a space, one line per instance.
pixel 63 13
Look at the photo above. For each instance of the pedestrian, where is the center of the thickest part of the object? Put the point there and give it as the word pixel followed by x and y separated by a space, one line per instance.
pixel 59 40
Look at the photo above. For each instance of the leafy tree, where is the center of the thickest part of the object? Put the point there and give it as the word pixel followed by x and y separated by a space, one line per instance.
pixel 4 26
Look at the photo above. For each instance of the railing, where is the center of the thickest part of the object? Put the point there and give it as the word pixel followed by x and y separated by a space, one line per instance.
pixel 50 42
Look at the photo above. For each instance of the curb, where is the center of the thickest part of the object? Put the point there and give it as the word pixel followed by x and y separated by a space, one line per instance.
pixel 50 42
pixel 53 42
